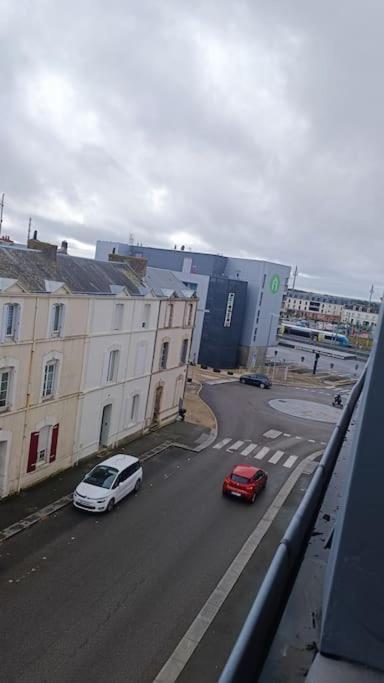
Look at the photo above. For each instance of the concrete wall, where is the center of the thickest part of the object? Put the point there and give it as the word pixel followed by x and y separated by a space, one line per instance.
pixel 172 380
pixel 202 282
pixel 29 411
pixel 135 345
pixel 170 259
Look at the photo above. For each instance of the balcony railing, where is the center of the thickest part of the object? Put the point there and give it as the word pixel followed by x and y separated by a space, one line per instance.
pixel 254 641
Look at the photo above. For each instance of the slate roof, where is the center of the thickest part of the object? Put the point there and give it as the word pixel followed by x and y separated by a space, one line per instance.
pixel 162 282
pixel 81 275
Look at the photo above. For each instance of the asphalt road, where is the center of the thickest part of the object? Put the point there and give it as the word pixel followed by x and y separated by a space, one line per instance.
pixel 108 597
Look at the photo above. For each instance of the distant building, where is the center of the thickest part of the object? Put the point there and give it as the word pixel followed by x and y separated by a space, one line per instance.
pixel 239 300
pixel 328 308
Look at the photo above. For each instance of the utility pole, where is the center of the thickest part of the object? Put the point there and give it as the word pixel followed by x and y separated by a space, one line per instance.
pixel 1 210
pixel 295 274
pixel 317 356
pixel 370 297
pixel 29 229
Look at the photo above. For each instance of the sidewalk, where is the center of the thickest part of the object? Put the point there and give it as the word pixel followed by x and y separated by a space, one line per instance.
pixel 29 501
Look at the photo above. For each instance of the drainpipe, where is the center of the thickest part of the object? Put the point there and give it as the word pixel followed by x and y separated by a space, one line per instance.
pixel 153 362
pixel 81 393
pixel 28 397
pixel 186 374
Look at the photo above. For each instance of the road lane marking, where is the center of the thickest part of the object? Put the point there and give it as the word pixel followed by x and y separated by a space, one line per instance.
pixel 290 461
pixel 235 446
pixel 272 434
pixel 249 449
pixel 260 455
pixel 222 443
pixel 311 440
pixel 286 434
pixel 276 457
pixel 191 639
pixel 298 437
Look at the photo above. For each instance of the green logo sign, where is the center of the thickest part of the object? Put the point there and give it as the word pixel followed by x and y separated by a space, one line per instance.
pixel 274 284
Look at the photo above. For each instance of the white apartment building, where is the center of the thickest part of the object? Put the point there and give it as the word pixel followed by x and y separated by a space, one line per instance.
pixel 358 318
pixel 330 308
pixel 77 347
pixel 176 321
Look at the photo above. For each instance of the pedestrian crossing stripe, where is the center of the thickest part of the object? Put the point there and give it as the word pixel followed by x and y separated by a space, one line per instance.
pixel 272 434
pixel 222 443
pixel 235 446
pixel 290 461
pixel 276 457
pixel 249 449
pixel 260 455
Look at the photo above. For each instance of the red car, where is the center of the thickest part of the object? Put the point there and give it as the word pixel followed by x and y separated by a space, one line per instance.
pixel 245 481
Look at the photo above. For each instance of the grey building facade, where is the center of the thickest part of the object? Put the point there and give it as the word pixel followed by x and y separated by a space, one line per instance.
pixel 266 283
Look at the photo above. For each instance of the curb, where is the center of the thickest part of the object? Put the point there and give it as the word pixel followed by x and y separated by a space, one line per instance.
pixel 62 502
pixel 211 438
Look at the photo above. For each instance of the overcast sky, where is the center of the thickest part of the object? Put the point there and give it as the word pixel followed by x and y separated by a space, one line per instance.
pixel 249 128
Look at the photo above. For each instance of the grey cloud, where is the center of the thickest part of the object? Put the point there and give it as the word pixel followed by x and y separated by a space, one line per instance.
pixel 249 128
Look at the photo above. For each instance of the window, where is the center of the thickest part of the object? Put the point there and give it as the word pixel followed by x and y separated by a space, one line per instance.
pixel 147 315
pixel 164 355
pixel 189 314
pixel 113 365
pixel 135 407
pixel 264 279
pixel 11 321
pixel 169 320
pixel 49 384
pixel 118 316
pixel 184 351
pixel 43 444
pixel 57 320
pixel 261 298
pixel 5 388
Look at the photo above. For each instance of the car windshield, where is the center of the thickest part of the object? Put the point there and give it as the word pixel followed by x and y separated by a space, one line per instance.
pixel 102 475
pixel 238 479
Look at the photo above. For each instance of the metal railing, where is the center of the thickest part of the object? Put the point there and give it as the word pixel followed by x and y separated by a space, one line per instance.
pixel 254 641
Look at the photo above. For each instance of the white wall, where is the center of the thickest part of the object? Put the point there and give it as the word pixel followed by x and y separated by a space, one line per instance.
pixel 135 344
pixel 202 282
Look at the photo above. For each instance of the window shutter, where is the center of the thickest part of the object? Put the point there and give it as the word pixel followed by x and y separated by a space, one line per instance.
pixel 17 322
pixel 32 456
pixel 55 436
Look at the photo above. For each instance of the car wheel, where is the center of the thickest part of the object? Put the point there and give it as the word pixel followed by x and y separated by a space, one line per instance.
pixel 262 385
pixel 253 498
pixel 242 381
pixel 111 505
pixel 137 486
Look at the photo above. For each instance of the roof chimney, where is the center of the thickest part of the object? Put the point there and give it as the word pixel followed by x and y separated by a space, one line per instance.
pixel 35 235
pixel 64 247
pixel 50 250
pixel 138 264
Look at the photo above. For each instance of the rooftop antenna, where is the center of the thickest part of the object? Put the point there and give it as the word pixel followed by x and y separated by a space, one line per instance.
pixel 1 210
pixel 29 229
pixel 295 274
pixel 371 291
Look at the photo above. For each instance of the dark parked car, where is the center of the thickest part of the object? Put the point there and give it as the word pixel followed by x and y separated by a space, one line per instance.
pixel 261 381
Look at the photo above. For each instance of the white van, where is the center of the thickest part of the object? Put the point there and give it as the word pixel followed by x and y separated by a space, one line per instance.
pixel 108 482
